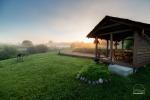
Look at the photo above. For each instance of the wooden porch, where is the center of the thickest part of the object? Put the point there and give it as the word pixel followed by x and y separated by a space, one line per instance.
pixel 108 61
pixel 116 30
pixel 103 58
pixel 114 55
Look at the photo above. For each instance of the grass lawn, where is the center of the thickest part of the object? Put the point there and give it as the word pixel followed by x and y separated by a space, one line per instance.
pixel 49 76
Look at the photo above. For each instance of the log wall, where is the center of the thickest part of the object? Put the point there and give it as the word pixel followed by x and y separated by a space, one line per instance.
pixel 141 52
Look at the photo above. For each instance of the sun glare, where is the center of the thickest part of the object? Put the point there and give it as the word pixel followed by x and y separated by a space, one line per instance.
pixel 88 40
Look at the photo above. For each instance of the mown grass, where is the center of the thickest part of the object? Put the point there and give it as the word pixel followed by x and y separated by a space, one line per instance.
pixel 49 76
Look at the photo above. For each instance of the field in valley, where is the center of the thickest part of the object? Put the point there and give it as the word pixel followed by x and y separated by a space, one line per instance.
pixel 48 76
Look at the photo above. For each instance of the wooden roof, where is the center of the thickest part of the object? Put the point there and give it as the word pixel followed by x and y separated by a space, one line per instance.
pixel 119 27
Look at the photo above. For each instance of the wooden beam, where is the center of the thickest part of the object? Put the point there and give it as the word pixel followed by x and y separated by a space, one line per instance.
pixel 128 39
pixel 116 43
pixel 107 48
pixel 130 24
pixel 111 47
pixel 96 47
pixel 109 26
pixel 146 36
pixel 116 32
pixel 135 48
pixel 120 22
pixel 122 46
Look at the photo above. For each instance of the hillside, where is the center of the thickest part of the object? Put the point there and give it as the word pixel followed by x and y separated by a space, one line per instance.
pixel 49 76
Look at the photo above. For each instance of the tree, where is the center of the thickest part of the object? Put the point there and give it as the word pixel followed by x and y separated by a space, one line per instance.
pixel 128 44
pixel 8 52
pixel 31 50
pixel 50 41
pixel 41 48
pixel 27 43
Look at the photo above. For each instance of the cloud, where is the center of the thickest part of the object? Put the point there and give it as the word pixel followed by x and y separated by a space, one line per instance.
pixel 71 20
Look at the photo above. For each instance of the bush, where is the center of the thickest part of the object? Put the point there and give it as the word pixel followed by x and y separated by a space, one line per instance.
pixel 95 71
pixel 41 48
pixel 31 50
pixel 128 44
pixel 147 65
pixel 37 49
pixel 8 52
pixel 27 43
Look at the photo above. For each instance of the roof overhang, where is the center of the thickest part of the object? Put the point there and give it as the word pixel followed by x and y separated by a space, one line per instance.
pixel 119 27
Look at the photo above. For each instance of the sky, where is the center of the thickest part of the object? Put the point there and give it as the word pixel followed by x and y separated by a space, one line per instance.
pixel 62 20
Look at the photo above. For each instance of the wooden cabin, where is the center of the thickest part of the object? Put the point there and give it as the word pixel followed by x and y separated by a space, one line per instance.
pixel 116 30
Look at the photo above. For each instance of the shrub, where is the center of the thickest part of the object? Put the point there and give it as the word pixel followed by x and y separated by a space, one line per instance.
pixel 147 65
pixel 27 43
pixel 31 50
pixel 95 71
pixel 8 52
pixel 37 49
pixel 41 48
pixel 128 44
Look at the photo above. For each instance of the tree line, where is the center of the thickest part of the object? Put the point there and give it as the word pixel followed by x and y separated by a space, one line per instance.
pixel 26 48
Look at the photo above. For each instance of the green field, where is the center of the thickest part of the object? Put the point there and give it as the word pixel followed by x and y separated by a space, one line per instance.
pixel 49 76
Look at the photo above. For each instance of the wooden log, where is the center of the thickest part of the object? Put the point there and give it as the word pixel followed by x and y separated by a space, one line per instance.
pixel 110 26
pixel 111 47
pixel 96 47
pixel 122 48
pixel 135 48
pixel 116 43
pixel 107 48
pixel 116 32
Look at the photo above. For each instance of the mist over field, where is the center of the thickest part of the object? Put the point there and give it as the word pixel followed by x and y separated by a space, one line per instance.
pixel 74 49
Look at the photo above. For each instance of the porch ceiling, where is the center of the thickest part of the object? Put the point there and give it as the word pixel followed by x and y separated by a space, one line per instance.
pixel 120 28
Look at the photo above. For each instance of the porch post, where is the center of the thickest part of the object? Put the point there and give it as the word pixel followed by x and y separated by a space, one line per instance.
pixel 107 48
pixel 96 47
pixel 135 49
pixel 122 48
pixel 111 47
pixel 116 43
pixel 122 44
